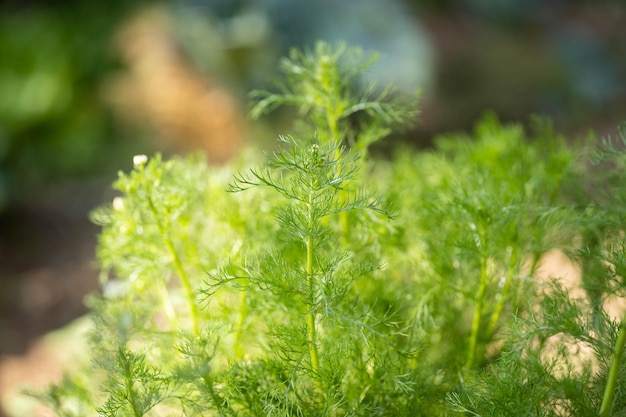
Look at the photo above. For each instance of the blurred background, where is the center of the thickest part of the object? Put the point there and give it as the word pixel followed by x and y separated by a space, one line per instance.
pixel 86 85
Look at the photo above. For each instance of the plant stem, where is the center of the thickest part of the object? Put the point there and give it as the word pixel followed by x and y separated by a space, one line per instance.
pixel 478 311
pixel 243 314
pixel 310 318
pixel 616 362
pixel 129 383
pixel 333 134
pixel 506 287
pixel 193 308
pixel 178 266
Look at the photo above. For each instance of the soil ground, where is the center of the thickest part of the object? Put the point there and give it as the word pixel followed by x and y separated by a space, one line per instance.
pixel 47 267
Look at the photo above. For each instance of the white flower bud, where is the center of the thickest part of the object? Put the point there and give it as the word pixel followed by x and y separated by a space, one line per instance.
pixel 139 160
pixel 118 204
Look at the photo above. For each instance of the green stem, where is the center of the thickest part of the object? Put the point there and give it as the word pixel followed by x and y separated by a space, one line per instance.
pixel 616 363
pixel 478 311
pixel 184 279
pixel 344 221
pixel 178 267
pixel 129 383
pixel 310 317
pixel 243 314
pixel 504 294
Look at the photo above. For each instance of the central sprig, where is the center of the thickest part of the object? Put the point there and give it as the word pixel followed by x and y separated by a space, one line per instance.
pixel 316 180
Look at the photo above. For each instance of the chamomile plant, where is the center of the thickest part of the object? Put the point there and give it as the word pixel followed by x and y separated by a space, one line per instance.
pixel 319 281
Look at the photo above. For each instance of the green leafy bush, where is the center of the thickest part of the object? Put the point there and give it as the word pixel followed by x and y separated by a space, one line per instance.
pixel 323 283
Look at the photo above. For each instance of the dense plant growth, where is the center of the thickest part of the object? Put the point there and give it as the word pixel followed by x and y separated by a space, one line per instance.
pixel 323 283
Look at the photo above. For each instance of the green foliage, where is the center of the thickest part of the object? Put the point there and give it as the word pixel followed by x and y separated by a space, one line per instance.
pixel 484 211
pixel 315 284
pixel 565 355
pixel 328 87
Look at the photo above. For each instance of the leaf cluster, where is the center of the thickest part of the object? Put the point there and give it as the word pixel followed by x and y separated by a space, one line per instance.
pixel 330 88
